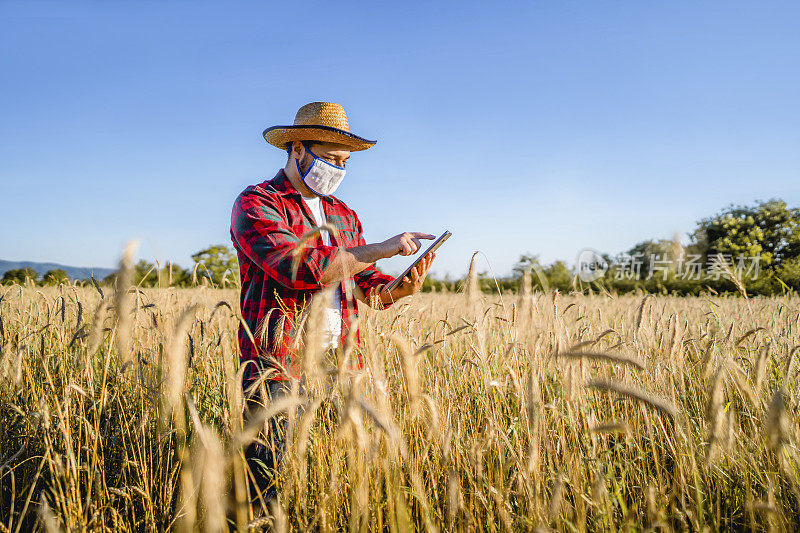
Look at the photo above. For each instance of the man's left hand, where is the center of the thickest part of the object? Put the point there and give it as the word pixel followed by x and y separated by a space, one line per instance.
pixel 411 283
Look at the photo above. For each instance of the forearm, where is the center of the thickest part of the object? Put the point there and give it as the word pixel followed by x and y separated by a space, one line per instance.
pixel 350 261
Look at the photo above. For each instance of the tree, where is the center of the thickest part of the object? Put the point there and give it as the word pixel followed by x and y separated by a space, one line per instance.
pixel 19 275
pixel 789 272
pixel 652 256
pixel 526 262
pixel 556 275
pixel 55 276
pixel 145 274
pixel 215 261
pixel 559 276
pixel 173 275
pixel 768 230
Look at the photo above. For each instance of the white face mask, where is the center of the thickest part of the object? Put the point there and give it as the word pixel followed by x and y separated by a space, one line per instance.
pixel 321 177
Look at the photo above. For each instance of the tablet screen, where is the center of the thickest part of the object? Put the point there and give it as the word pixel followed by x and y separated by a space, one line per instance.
pixel 432 248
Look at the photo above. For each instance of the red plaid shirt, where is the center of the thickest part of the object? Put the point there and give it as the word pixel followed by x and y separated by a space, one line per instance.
pixel 267 224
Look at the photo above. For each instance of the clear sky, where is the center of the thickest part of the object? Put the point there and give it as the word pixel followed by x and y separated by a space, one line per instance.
pixel 541 126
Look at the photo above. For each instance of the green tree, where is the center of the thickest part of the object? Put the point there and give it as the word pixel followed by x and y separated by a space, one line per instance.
pixel 556 275
pixel 559 276
pixel 55 276
pixel 769 230
pixel 145 274
pixel 19 275
pixel 215 261
pixel 527 261
pixel 173 275
pixel 653 257
pixel 789 272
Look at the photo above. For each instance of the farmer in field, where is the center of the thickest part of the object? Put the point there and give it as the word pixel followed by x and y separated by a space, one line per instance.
pixel 268 223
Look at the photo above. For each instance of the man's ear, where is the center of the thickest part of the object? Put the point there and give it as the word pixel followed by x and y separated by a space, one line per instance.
pixel 294 151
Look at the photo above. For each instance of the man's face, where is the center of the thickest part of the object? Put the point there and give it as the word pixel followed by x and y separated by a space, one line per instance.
pixel 335 154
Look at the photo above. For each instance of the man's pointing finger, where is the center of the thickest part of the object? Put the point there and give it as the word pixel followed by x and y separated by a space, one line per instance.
pixel 421 235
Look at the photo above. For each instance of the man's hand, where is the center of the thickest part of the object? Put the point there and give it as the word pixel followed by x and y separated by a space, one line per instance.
pixel 411 283
pixel 351 261
pixel 404 244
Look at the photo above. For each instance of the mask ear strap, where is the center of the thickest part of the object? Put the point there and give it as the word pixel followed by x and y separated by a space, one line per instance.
pixel 297 162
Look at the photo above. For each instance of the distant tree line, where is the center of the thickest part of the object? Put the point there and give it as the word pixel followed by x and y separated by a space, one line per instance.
pixel 22 275
pixel 215 266
pixel 749 250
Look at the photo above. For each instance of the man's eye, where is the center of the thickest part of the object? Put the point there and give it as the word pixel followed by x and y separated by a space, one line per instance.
pixel 335 162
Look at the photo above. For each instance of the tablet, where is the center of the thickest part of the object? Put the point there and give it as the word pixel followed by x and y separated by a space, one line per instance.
pixel 432 248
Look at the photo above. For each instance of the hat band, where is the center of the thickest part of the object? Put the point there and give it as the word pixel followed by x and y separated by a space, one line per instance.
pixel 318 127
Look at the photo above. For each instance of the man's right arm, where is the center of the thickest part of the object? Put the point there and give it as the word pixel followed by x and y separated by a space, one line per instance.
pixel 351 261
pixel 260 231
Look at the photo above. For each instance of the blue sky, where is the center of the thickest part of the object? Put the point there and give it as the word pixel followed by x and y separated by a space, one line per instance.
pixel 543 126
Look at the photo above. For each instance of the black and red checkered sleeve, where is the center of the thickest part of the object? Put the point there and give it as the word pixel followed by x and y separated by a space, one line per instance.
pixel 261 232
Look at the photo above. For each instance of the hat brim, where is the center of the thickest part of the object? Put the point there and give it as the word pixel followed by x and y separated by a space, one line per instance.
pixel 280 136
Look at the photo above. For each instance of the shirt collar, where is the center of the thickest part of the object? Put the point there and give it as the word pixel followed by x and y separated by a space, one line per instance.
pixel 283 184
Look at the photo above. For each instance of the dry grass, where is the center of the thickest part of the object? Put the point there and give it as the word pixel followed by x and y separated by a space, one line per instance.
pixel 580 412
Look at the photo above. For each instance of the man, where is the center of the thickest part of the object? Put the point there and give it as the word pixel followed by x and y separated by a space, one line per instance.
pixel 281 271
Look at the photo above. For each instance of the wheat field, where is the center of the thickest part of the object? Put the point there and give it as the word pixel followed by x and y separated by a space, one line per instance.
pixel 534 411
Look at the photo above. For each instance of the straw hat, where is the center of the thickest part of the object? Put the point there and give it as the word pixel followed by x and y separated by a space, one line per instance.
pixel 318 121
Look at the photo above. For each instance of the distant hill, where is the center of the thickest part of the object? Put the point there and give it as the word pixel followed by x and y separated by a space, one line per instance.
pixel 41 268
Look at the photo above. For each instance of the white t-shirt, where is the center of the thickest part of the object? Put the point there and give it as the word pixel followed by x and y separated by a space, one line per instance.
pixel 333 315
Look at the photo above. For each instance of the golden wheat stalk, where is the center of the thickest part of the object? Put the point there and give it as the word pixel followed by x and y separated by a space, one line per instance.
pixel 659 404
pixel 603 356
